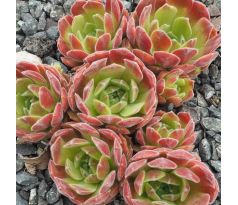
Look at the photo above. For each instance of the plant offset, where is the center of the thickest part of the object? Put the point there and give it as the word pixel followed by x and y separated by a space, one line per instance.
pixel 104 124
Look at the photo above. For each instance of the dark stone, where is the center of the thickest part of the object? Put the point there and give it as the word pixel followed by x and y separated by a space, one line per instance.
pixel 31 186
pixel 42 22
pixel 200 135
pixel 47 176
pixel 205 150
pixel 217 137
pixel 52 195
pixel 218 86
pixel 24 178
pixel 33 197
pixel 210 123
pixel 67 5
pixel 39 10
pixel 52 32
pixel 43 188
pixel 18 187
pixel 215 112
pixel 20 200
pixel 25 149
pixel 41 35
pixel 38 46
pixel 210 133
pixel 42 201
pixel 30 25
pixel 214 151
pixel 20 39
pixel 213 71
pixel 56 12
pixel 67 201
pixel 208 91
pixel 218 149
pixel 201 101
pixel 203 112
pixel 19 165
pixel 48 7
pixel 216 165
pixel 24 194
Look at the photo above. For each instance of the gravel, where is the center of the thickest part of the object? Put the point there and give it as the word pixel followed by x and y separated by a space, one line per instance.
pixel 36 28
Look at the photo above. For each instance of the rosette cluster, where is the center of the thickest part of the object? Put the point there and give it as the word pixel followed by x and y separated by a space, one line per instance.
pixel 168 177
pixel 114 88
pixel 124 68
pixel 92 26
pixel 41 95
pixel 169 34
pixel 88 164
pixel 168 130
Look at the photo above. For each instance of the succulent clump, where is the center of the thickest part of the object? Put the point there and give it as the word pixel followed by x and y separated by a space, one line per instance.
pixel 169 34
pixel 87 164
pixel 92 26
pixel 114 88
pixel 41 96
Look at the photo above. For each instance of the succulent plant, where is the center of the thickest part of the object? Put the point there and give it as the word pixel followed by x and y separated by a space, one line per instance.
pixel 168 130
pixel 168 177
pixel 113 88
pixel 41 100
pixel 87 164
pixel 174 87
pixel 168 34
pixel 92 26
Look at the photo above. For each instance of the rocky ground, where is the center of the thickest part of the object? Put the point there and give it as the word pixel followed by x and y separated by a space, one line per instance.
pixel 36 32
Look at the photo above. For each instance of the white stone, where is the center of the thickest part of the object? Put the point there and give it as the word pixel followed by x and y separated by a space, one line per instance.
pixel 25 56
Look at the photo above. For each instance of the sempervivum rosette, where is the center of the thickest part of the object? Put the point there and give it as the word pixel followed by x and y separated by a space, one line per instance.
pixel 88 164
pixel 166 177
pixel 168 130
pixel 173 33
pixel 92 26
pixel 114 88
pixel 41 100
pixel 174 87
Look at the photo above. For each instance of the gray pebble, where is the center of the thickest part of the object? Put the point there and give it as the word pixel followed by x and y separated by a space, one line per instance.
pixel 214 151
pixel 33 197
pixel 52 195
pixel 216 165
pixel 24 194
pixel 200 135
pixel 211 123
pixel 217 138
pixel 203 111
pixel 210 133
pixel 43 188
pixel 67 5
pixel 57 2
pixel 208 91
pixel 218 86
pixel 48 7
pixel 19 165
pixel 25 149
pixel 20 39
pixel 213 71
pixel 38 46
pixel 52 32
pixel 205 150
pixel 30 25
pixel 215 112
pixel 22 7
pixel 42 201
pixel 201 101
pixel 41 35
pixel 18 48
pixel 42 22
pixel 39 10
pixel 20 200
pixel 56 12
pixel 24 178
pixel 218 149
pixel 127 5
